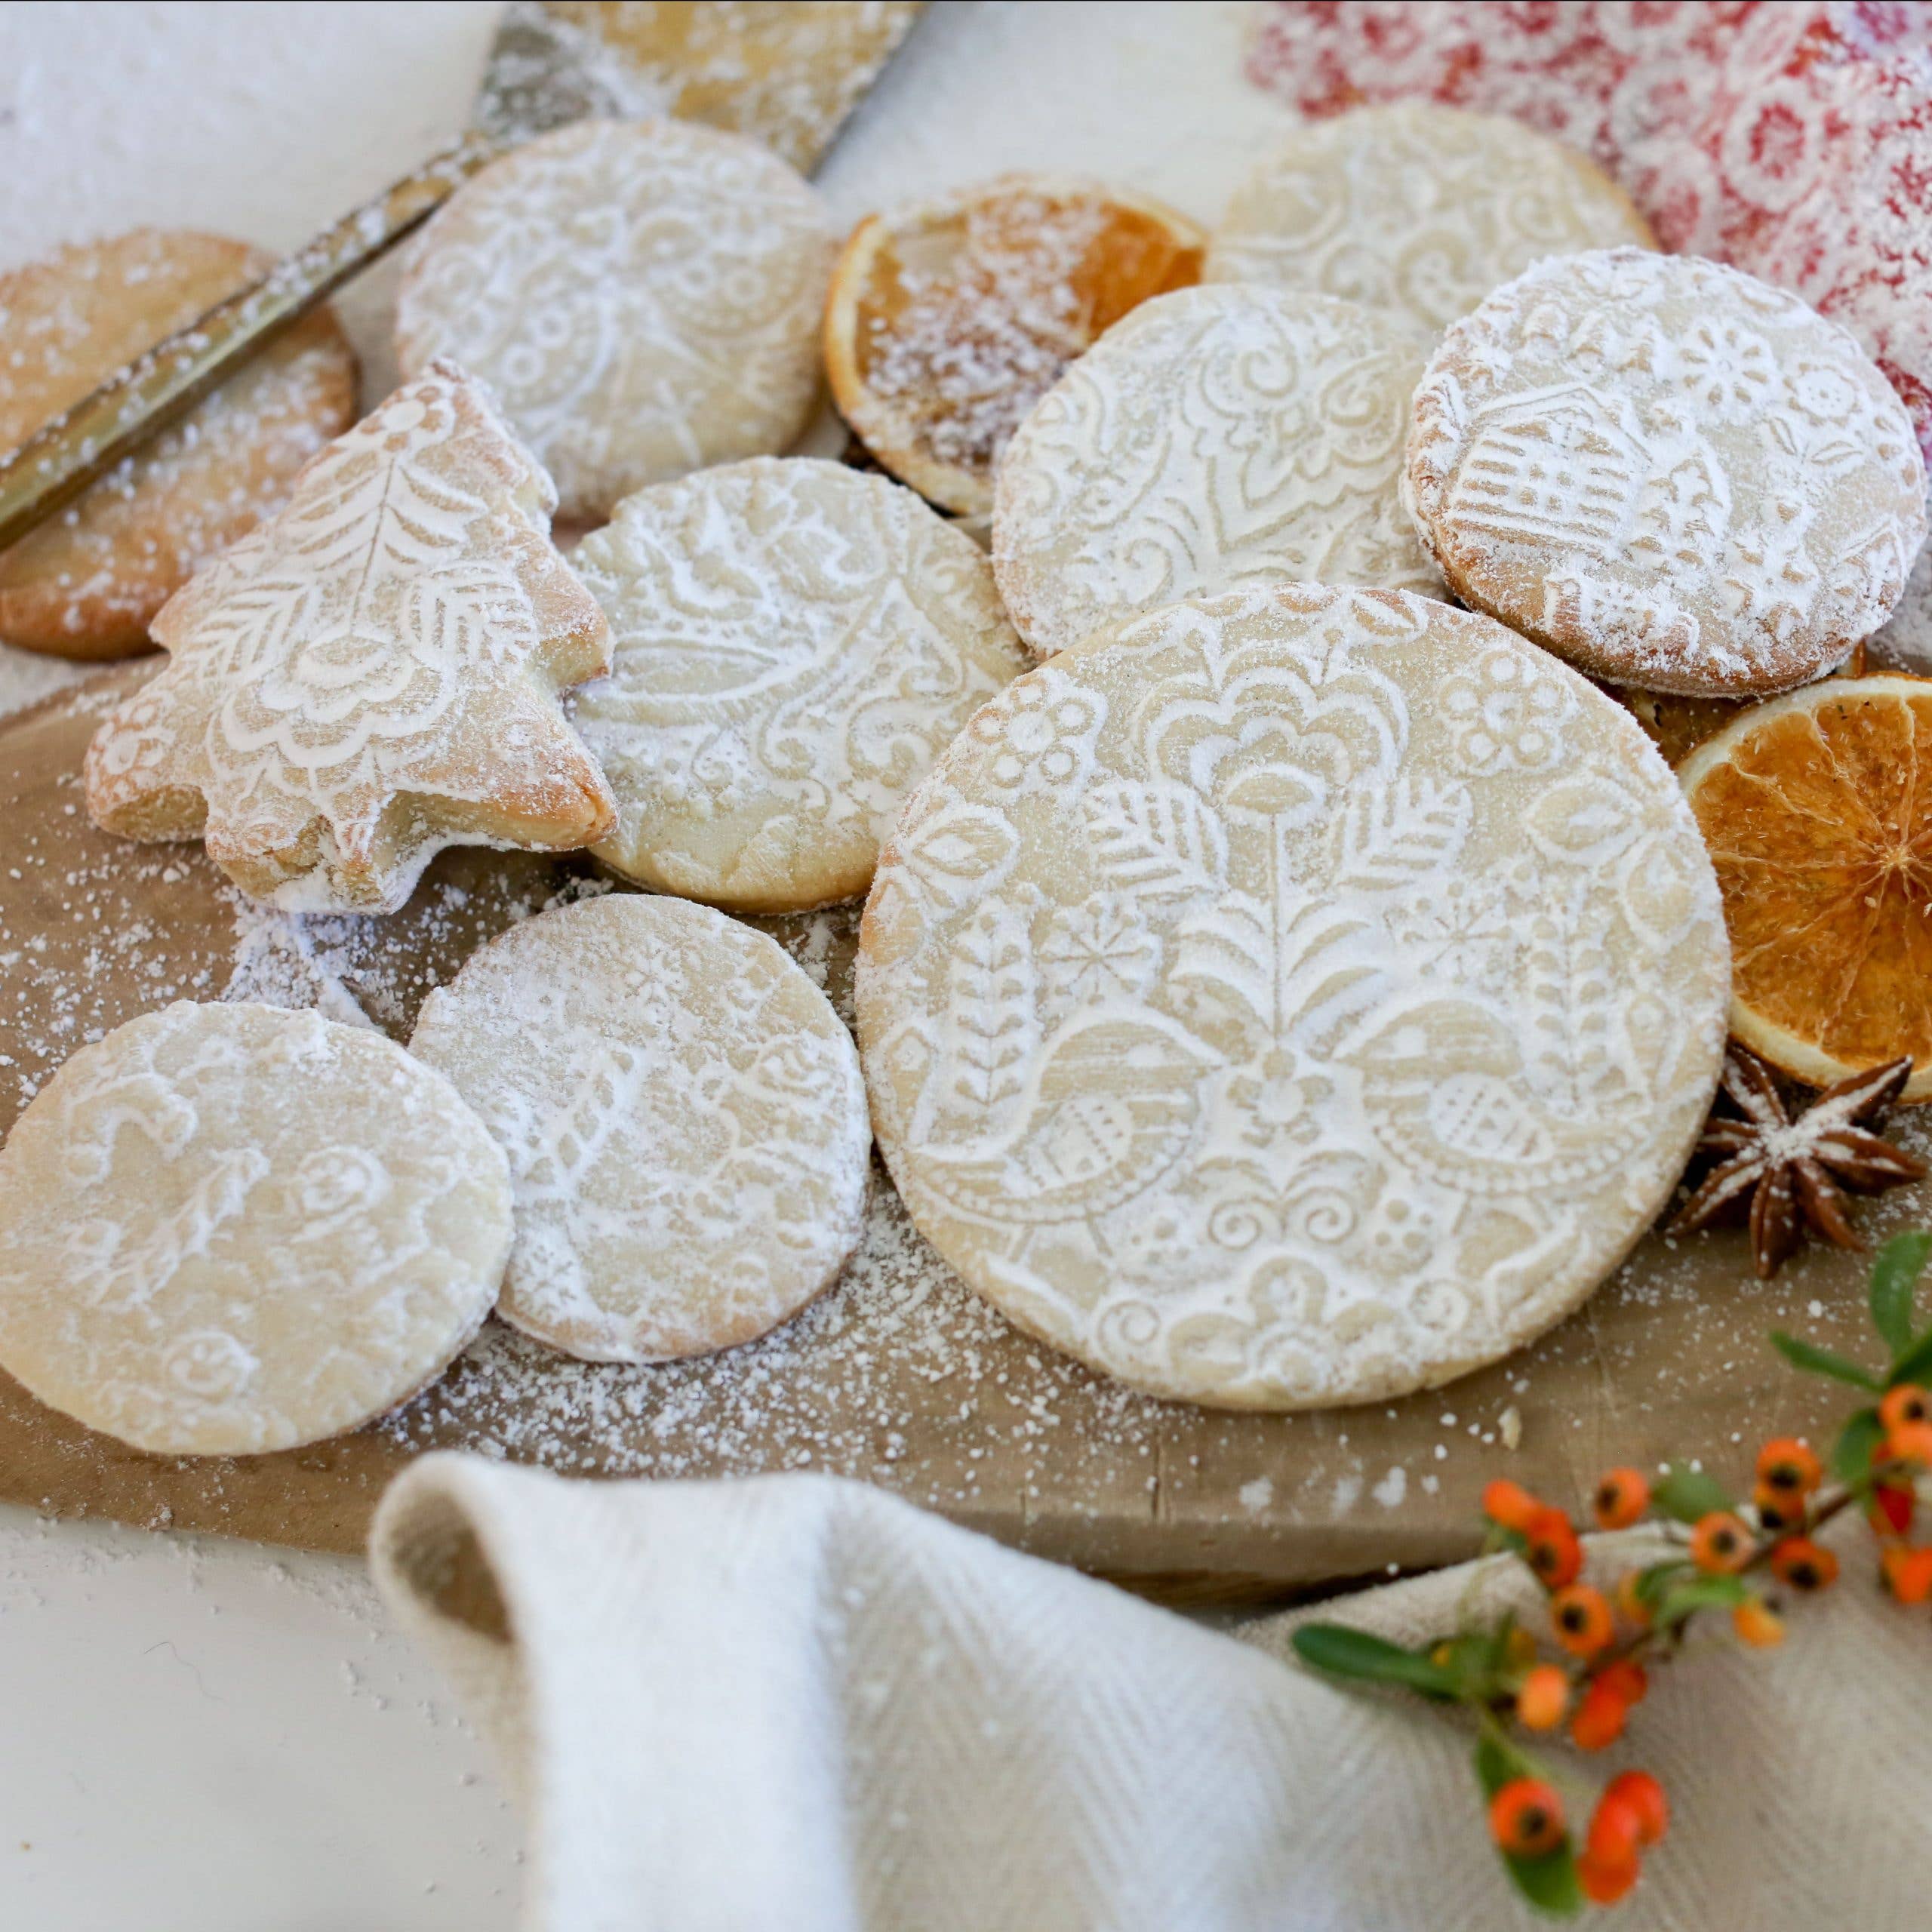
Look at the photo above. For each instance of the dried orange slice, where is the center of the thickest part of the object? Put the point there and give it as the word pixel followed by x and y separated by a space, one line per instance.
pixel 1817 809
pixel 1677 725
pixel 949 319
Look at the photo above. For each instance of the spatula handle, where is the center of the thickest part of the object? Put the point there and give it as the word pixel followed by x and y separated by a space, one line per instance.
pixel 48 471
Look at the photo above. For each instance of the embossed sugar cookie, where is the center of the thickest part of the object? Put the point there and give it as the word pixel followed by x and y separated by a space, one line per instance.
pixel 1216 437
pixel 1670 473
pixel 372 674
pixel 1416 208
pixel 87 583
pixel 643 297
pixel 684 1120
pixel 1296 997
pixel 793 645
pixel 225 1229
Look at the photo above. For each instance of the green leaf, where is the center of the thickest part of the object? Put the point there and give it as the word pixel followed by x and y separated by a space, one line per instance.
pixel 1851 1460
pixel 1549 1883
pixel 1700 1593
pixel 1345 1652
pixel 1915 1365
pixel 1653 1581
pixel 1895 1275
pixel 1688 1493
pixel 1497 1761
pixel 1815 1361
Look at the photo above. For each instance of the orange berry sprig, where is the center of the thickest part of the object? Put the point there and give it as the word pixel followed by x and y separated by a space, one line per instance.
pixel 1722 1556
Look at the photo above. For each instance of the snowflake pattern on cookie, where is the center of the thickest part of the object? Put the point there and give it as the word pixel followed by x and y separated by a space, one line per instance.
pixel 643 297
pixel 684 1120
pixel 1670 472
pixel 1295 997
pixel 372 674
pixel 1216 438
pixel 227 1229
pixel 794 644
pixel 1417 208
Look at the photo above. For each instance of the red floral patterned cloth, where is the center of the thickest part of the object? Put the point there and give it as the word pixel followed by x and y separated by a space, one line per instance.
pixel 1793 140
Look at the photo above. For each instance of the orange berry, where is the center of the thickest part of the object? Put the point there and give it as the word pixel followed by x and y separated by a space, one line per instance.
pixel 1803 1565
pixel 1778 1509
pixel 1600 1716
pixel 1580 1616
pixel 1907 1573
pixel 1509 1503
pixel 1615 1829
pixel 1604 1883
pixel 1621 1497
pixel 1526 1818
pixel 1554 1552
pixel 1890 1510
pixel 1629 1602
pixel 1720 1543
pixel 1910 1442
pixel 1757 1624
pixel 1644 1795
pixel 1907 1403
pixel 1542 1698
pixel 1786 1463
pixel 1625 1676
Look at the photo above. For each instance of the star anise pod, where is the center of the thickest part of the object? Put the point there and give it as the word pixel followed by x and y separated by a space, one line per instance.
pixel 1787 1166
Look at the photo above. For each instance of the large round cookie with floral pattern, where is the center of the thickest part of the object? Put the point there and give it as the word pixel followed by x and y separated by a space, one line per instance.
pixel 1674 474
pixel 1295 997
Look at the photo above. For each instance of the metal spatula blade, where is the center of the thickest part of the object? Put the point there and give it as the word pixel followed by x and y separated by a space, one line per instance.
pixel 786 72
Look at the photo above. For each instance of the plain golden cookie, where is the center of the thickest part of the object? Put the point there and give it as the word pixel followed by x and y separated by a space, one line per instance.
pixel 88 584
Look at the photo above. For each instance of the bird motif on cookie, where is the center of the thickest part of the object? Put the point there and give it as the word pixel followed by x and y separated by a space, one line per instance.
pixel 1113 1107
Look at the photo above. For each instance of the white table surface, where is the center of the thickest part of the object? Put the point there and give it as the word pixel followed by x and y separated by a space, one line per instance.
pixel 209 1737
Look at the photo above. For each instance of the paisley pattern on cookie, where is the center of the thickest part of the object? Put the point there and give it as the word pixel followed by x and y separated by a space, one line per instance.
pixel 372 674
pixel 227 1229
pixel 1215 437
pixel 793 645
pixel 88 583
pixel 684 1116
pixel 643 297
pixel 1415 207
pixel 1672 474
pixel 1293 997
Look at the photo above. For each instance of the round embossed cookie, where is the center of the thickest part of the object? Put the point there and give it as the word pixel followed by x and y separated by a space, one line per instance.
pixel 1216 437
pixel 948 319
pixel 86 584
pixel 230 1228
pixel 1670 472
pixel 643 297
pixel 793 645
pixel 1295 997
pixel 1416 208
pixel 684 1120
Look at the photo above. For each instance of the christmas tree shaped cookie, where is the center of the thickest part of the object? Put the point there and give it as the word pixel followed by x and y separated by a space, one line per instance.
pixel 372 674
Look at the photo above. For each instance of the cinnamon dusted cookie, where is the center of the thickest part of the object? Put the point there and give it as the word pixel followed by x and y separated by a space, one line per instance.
pixel 372 674
pixel 88 584
pixel 1216 437
pixel 1417 207
pixel 1295 997
pixel 643 297
pixel 684 1120
pixel 227 1229
pixel 793 645
pixel 1668 472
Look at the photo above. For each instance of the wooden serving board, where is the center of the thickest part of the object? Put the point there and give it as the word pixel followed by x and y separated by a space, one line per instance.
pixel 898 1376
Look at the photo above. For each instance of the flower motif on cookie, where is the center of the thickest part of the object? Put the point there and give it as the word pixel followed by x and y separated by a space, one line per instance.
pixel 372 674
pixel 1509 716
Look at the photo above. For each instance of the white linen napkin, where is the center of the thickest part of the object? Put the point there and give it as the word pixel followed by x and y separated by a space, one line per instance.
pixel 799 1703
